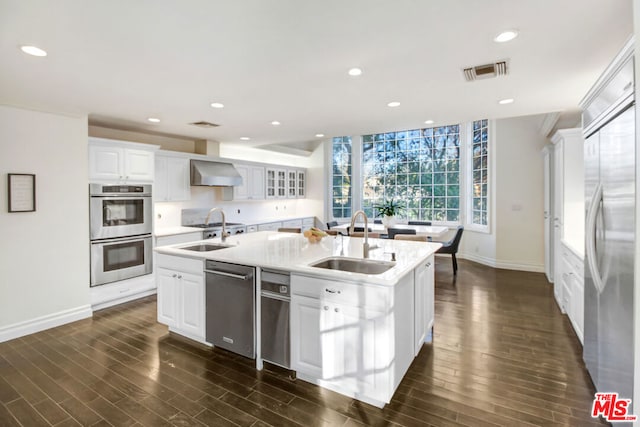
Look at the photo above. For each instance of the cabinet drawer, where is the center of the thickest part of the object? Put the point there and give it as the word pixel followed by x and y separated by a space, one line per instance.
pixel 346 293
pixel 187 265
pixel 308 222
pixel 178 238
pixel 294 223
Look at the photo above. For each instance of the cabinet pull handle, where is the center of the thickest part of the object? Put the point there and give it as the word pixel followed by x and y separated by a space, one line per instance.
pixel 174 276
pixel 428 264
pixel 337 310
pixel 326 307
pixel 179 276
pixel 332 291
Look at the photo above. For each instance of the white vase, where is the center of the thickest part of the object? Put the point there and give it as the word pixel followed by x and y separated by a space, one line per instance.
pixel 388 221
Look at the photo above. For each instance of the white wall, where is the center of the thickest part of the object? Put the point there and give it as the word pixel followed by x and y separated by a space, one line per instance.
pixel 516 237
pixel 251 211
pixel 519 193
pixel 44 255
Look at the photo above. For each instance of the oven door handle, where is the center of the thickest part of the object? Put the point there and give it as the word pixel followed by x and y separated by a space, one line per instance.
pixel 131 196
pixel 121 239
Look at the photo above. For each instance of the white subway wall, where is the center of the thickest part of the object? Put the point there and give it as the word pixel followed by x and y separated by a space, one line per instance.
pixel 44 262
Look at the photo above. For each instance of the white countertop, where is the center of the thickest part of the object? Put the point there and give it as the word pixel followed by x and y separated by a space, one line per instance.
pixel 293 252
pixel 172 231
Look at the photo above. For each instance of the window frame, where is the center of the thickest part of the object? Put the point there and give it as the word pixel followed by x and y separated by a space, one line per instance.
pixel 465 178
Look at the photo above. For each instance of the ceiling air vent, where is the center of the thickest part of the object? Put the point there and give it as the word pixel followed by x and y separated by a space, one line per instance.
pixel 203 124
pixel 486 71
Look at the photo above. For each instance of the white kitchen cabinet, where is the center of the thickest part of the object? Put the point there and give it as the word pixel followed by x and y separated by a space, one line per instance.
pixel 276 185
pixel 253 183
pixel 302 184
pixel 345 336
pixel 423 302
pixel 118 161
pixel 308 222
pixel 306 336
pixel 270 226
pixel 181 296
pixel 172 179
pixel 292 223
pixel 573 288
pixel 292 184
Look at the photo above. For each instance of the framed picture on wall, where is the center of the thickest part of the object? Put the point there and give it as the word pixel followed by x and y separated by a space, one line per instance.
pixel 22 192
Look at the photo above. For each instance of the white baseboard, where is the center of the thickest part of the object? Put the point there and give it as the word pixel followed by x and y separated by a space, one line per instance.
pixel 44 322
pixel 507 265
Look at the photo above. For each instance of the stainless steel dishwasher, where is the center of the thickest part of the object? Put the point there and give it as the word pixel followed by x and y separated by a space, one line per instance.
pixel 275 298
pixel 230 297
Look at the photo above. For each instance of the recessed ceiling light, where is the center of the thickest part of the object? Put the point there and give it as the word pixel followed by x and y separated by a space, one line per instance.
pixel 506 101
pixel 32 50
pixel 245 138
pixel 153 120
pixel 319 135
pixel 506 36
pixel 428 122
pixel 275 123
pixel 217 105
pixel 355 72
pixel 393 104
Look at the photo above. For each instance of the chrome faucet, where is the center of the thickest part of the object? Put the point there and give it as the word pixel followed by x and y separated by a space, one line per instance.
pixel 365 246
pixel 224 223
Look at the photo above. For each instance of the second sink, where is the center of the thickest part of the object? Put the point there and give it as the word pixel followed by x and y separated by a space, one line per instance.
pixel 354 265
pixel 204 247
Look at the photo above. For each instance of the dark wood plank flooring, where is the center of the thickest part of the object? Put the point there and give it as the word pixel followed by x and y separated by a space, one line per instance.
pixel 503 355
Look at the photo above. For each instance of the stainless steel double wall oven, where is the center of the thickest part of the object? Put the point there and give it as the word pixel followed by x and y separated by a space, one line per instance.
pixel 121 227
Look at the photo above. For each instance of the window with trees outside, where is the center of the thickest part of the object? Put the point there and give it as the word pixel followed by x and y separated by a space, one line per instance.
pixel 479 183
pixel 341 177
pixel 420 168
pixel 437 174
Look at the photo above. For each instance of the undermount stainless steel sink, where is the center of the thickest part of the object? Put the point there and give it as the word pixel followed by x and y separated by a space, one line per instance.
pixel 204 247
pixel 354 265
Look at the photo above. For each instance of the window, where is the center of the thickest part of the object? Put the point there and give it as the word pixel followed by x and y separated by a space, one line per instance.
pixel 479 174
pixel 420 168
pixel 341 177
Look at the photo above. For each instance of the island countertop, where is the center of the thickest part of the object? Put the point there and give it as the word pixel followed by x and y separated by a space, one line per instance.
pixel 293 252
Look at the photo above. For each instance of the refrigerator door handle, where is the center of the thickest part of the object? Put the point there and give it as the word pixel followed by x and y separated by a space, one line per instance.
pixel 592 216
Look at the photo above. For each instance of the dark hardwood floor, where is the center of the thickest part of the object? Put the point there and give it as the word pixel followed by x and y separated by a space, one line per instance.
pixel 502 355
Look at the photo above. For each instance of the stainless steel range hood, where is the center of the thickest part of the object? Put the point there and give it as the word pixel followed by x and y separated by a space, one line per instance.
pixel 214 174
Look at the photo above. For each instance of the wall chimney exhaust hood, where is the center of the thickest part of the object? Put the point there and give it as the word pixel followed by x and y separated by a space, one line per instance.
pixel 214 174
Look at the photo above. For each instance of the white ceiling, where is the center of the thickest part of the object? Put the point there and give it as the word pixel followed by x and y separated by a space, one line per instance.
pixel 121 61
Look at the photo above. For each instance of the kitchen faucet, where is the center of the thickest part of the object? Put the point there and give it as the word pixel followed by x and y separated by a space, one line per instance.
pixel 224 227
pixel 365 246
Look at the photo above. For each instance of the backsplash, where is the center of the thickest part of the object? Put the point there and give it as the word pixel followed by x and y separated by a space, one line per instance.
pixel 169 214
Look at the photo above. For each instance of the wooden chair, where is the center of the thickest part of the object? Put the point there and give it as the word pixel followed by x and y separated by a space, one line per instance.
pixel 412 237
pixel 393 231
pixel 361 234
pixel 451 247
pixel 290 230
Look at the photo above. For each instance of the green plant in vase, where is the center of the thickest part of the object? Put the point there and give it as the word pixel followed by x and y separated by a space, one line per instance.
pixel 388 210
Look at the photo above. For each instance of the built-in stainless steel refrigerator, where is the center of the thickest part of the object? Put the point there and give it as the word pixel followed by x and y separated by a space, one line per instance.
pixel 609 125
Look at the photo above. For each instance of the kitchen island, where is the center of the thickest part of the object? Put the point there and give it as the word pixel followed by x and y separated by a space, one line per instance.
pixel 351 332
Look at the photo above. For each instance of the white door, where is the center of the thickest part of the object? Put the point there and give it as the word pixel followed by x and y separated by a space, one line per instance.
pixel 179 185
pixel 548 233
pixel 105 163
pixel 256 179
pixel 420 322
pixel 241 192
pixel 138 165
pixel 558 217
pixel 167 296
pixel 192 298
pixel 306 336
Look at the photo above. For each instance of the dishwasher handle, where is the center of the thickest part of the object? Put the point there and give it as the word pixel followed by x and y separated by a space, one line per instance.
pixel 273 295
pixel 227 274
